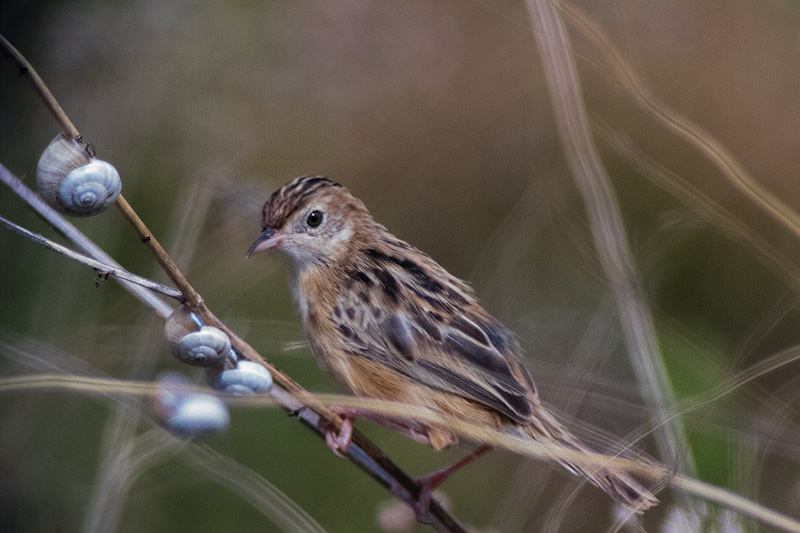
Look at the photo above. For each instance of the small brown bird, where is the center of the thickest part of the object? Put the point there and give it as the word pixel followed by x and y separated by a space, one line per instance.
pixel 391 323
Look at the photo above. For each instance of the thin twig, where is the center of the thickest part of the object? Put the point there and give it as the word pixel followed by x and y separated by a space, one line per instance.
pixel 103 268
pixel 80 240
pixel 192 297
pixel 295 399
pixel 365 454
pixel 47 97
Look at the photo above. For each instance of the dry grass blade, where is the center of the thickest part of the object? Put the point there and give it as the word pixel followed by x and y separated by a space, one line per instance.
pixel 705 143
pixel 606 222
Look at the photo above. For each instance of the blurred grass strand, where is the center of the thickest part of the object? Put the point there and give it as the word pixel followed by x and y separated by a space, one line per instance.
pixel 106 386
pixel 130 459
pixel 103 386
pixel 117 467
pixel 606 225
pixel 79 384
pixel 186 225
pixel 770 364
pixel 707 208
pixel 152 447
pixel 250 486
pixel 704 142
pixel 538 450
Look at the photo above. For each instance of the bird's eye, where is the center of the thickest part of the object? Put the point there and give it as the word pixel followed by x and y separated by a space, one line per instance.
pixel 314 218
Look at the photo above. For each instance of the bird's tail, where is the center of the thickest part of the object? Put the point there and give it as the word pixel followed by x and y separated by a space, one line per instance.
pixel 616 482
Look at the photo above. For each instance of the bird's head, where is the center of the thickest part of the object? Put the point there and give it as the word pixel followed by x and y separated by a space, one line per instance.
pixel 312 219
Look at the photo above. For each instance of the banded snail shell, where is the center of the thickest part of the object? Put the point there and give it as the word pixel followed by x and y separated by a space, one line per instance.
pixel 193 344
pixel 208 347
pixel 246 379
pixel 74 183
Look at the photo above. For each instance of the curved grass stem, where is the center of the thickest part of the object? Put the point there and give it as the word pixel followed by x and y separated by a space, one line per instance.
pixel 606 224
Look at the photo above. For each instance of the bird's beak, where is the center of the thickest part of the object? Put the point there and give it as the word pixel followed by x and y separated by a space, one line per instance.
pixel 269 238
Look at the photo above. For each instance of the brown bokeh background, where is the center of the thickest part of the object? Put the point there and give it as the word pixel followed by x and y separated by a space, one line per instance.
pixel 437 115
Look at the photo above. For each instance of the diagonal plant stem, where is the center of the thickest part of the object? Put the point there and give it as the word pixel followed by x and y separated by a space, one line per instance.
pixel 103 268
pixel 295 399
pixel 80 240
pixel 606 224
pixel 39 86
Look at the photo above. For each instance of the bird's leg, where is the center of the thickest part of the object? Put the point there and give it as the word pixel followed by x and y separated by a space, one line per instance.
pixel 431 481
pixel 428 483
pixel 351 414
pixel 338 441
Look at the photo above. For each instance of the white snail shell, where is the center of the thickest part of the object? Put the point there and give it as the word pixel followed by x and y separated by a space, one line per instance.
pixel 186 413
pixel 74 183
pixel 198 414
pixel 197 346
pixel 246 379
pixel 207 347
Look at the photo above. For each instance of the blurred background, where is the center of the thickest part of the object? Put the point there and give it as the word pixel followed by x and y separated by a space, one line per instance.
pixel 437 115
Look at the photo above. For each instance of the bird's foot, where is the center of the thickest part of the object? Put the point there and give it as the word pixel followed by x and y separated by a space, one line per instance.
pixel 339 440
pixel 421 504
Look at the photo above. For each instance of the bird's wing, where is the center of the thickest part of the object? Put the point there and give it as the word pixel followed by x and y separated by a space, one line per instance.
pixel 469 354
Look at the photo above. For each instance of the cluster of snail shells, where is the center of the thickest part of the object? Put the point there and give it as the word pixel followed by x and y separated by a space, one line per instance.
pixel 209 347
pixel 188 413
pixel 73 182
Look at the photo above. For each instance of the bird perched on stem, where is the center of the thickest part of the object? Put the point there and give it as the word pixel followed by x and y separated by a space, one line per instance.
pixel 391 323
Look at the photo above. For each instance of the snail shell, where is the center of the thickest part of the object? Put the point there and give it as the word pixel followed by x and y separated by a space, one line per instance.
pixel 198 414
pixel 178 324
pixel 74 183
pixel 205 346
pixel 246 379
pixel 186 413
